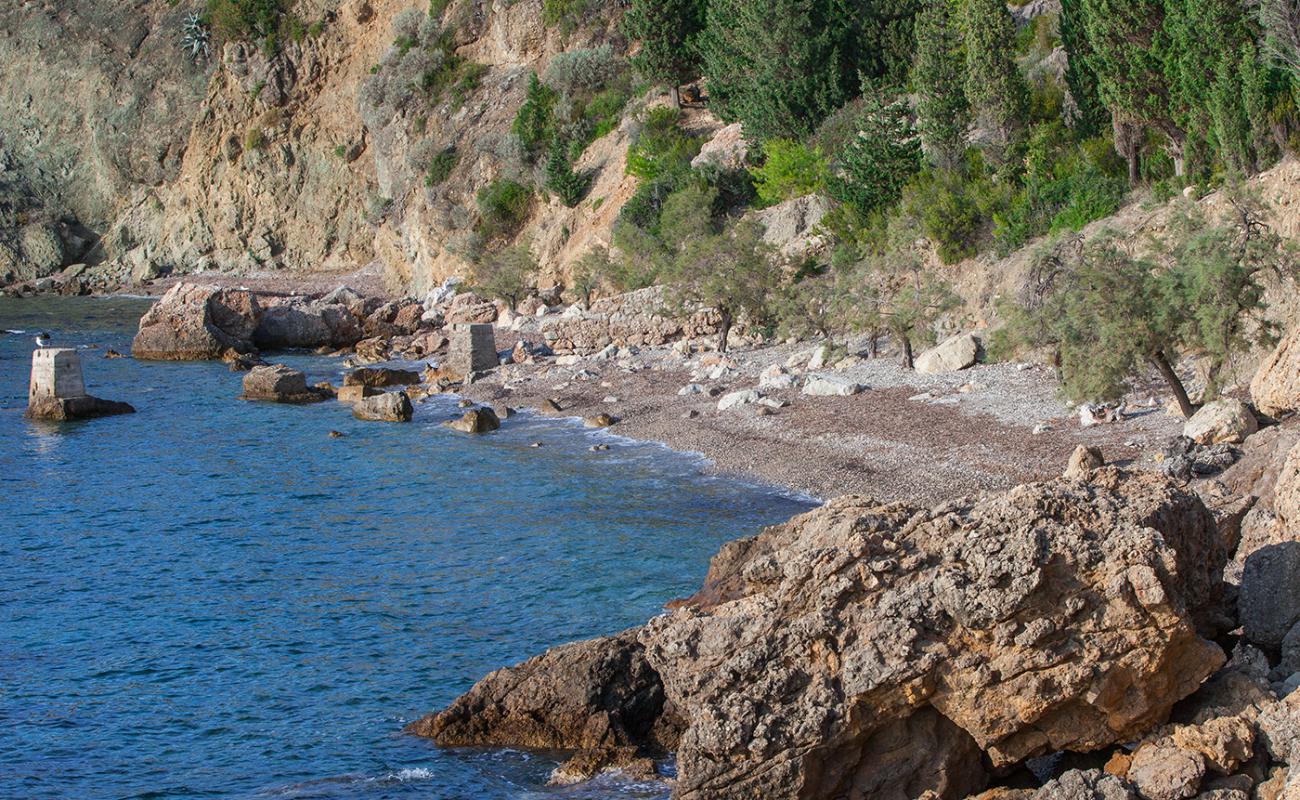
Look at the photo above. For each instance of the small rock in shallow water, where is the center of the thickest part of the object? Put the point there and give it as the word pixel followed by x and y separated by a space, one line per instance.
pixel 551 406
pixel 599 421
pixel 599 448
pixel 465 402
pixel 111 353
pixel 336 434
pixel 478 420
pixel 535 444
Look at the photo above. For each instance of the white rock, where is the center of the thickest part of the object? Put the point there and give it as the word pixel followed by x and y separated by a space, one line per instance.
pixel 797 360
pixel 819 355
pixel 957 353
pixel 779 382
pixel 773 402
pixel 831 386
pixel 611 399
pixel 737 399
pixel 1224 420
pixel 568 361
pixel 771 371
pixel 721 371
pixel 690 389
pixel 922 396
pixel 1041 428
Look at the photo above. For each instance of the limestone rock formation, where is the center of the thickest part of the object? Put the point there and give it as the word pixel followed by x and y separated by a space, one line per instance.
pixel 1275 388
pixel 1062 615
pixel 194 323
pixel 387 407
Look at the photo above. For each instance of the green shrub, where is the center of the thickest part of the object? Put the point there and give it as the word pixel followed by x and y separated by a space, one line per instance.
pixel 441 166
pixel 248 20
pixel 948 213
pixel 503 206
pixel 254 139
pixel 791 169
pixel 469 77
pixel 567 14
pixel 662 147
pixel 437 8
pixel 509 274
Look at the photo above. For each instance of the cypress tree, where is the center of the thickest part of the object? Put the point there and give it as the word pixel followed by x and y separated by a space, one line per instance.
pixel 667 30
pixel 942 114
pixel 1200 42
pixel 772 65
pixel 1089 115
pixel 997 92
pixel 1123 37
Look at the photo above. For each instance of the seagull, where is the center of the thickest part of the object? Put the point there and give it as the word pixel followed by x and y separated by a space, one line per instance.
pixel 43 339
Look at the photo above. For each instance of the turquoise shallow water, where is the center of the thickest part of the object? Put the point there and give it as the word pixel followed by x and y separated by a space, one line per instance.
pixel 212 598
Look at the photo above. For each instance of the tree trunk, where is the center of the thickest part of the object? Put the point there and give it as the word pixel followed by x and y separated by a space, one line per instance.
pixel 907 353
pixel 1127 145
pixel 676 92
pixel 1175 383
pixel 875 344
pixel 724 329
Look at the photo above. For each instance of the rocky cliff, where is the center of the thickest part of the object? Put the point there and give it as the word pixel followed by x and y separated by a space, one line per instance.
pixel 136 157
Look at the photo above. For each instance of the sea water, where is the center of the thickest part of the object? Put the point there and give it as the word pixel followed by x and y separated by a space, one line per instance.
pixel 214 598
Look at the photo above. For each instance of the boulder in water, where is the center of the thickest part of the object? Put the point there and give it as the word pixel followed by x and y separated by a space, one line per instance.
pixel 387 407
pixel 476 420
pixel 277 383
pixel 197 323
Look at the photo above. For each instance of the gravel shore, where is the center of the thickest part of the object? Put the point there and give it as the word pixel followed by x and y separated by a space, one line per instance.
pixel 905 436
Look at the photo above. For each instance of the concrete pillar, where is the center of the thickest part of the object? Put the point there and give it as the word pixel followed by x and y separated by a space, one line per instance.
pixel 473 349
pixel 56 374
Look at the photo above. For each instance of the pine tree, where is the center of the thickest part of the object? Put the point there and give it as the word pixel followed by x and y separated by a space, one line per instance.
pixel 1089 114
pixel 997 92
pixel 535 122
pixel 877 163
pixel 667 30
pixel 568 185
pixel 943 115
pixel 1227 116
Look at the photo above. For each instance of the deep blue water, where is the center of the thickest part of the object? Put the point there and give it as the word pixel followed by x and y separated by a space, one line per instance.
pixel 212 598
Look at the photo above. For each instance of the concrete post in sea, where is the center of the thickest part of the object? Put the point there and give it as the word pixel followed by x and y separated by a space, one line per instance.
pixel 473 349
pixel 56 374
pixel 57 390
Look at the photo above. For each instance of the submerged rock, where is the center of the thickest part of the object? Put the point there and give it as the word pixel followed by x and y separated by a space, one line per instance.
pixel 865 650
pixel 63 409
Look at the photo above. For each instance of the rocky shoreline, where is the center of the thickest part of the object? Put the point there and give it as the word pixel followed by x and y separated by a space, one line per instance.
pixel 959 622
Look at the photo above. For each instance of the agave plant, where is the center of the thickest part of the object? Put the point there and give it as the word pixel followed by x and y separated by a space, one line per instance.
pixel 196 37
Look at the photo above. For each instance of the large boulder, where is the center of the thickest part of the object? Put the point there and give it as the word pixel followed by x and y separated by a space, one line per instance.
pixel 831 386
pixel 1060 616
pixel 387 407
pixel 865 650
pixel 595 694
pixel 1269 602
pixel 65 409
pixel 1223 421
pixel 380 377
pixel 1275 388
pixel 197 323
pixel 289 323
pixel 279 384
pixel 957 353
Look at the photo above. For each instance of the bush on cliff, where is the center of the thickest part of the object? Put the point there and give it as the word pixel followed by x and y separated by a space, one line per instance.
pixel 503 206
pixel 249 20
